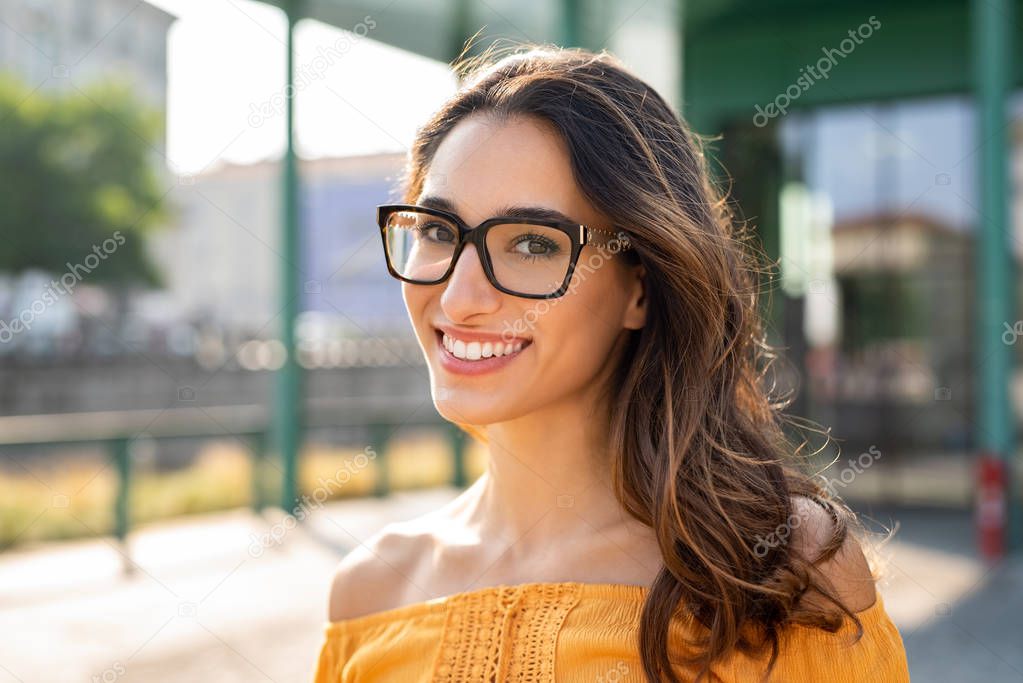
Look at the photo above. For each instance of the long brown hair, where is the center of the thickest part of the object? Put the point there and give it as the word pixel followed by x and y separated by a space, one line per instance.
pixel 700 452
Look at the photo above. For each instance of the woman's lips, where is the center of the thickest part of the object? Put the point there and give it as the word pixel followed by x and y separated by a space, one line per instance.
pixel 460 366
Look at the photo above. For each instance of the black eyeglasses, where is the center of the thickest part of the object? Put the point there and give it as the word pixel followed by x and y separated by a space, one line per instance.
pixel 525 257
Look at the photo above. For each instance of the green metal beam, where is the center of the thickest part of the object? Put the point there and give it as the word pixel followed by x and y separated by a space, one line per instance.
pixel 747 55
pixel 992 49
pixel 426 28
pixel 287 415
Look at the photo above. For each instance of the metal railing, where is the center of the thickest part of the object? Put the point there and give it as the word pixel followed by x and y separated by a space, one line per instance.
pixel 117 430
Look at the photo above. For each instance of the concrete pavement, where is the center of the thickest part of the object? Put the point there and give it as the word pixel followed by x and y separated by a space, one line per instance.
pixel 236 597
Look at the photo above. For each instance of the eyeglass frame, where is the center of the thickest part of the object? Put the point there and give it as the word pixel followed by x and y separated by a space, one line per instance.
pixel 579 234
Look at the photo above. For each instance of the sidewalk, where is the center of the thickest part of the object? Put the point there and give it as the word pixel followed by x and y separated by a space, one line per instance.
pixel 200 607
pixel 961 619
pixel 206 604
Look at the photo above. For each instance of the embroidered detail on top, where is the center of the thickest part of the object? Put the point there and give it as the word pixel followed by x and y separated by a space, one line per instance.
pixel 496 637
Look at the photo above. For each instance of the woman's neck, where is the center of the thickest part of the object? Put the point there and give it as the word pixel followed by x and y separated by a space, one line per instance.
pixel 548 478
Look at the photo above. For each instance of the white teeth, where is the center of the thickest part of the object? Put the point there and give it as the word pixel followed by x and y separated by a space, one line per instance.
pixel 475 350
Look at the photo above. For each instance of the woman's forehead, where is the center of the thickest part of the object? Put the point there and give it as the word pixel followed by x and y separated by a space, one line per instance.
pixel 483 164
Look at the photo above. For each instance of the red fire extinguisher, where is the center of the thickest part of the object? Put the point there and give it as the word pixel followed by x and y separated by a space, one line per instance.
pixel 990 506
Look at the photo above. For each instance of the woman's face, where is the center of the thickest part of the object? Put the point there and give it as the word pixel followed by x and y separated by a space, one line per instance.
pixel 559 347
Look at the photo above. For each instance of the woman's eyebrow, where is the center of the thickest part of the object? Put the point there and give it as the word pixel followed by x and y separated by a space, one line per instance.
pixel 438 203
pixel 541 213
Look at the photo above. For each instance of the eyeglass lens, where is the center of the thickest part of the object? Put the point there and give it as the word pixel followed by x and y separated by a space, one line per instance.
pixel 530 259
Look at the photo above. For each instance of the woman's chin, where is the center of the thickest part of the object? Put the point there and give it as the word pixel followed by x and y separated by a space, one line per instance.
pixel 468 407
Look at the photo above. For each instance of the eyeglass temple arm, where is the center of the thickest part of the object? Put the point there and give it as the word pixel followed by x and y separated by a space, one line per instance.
pixel 604 238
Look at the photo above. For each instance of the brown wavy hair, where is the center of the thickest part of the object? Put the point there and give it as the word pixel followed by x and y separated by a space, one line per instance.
pixel 700 450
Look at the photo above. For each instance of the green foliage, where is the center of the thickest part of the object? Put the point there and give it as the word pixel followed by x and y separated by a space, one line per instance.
pixel 76 168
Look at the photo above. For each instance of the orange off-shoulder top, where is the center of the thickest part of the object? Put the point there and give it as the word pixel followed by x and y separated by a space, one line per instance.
pixel 545 632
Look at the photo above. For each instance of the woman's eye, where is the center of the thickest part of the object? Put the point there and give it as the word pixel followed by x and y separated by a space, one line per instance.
pixel 438 232
pixel 535 245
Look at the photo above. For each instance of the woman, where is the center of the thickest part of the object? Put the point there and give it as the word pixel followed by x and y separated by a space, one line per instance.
pixel 588 309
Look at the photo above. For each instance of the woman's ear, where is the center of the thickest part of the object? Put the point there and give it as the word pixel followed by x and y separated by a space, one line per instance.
pixel 635 311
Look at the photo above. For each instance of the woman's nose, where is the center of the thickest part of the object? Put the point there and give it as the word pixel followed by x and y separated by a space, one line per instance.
pixel 468 291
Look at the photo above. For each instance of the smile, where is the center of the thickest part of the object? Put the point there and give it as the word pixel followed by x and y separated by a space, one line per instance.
pixel 477 353
pixel 474 350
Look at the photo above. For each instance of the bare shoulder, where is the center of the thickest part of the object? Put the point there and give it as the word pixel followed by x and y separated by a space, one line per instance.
pixel 379 574
pixel 397 565
pixel 848 570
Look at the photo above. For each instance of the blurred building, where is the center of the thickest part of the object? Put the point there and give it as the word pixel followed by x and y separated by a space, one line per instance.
pixel 222 258
pixel 894 290
pixel 893 372
pixel 886 145
pixel 343 253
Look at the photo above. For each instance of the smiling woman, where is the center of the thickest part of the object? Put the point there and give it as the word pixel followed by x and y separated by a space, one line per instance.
pixel 587 307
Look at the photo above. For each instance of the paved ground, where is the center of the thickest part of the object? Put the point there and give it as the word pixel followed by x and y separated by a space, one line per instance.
pixel 209 601
pixel 199 607
pixel 961 619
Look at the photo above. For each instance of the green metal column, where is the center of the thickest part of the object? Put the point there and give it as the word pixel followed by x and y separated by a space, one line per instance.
pixel 120 451
pixel 461 21
pixel 459 478
pixel 380 434
pixel 571 23
pixel 680 39
pixel 992 31
pixel 287 416
pixel 701 116
pixel 121 455
pixel 257 445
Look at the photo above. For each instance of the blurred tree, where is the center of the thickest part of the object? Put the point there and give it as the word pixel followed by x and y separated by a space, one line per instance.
pixel 77 178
